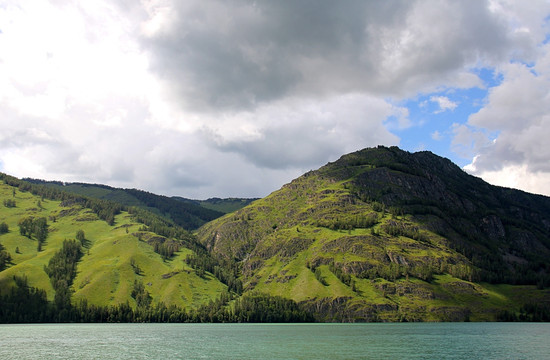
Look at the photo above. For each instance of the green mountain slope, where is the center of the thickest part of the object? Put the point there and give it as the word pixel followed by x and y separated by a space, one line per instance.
pixel 114 257
pixel 382 234
pixel 69 258
pixel 379 235
pixel 187 214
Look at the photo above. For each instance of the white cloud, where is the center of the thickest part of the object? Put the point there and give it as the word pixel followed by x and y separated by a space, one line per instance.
pixel 436 135
pixel 515 176
pixel 444 103
pixel 214 98
pixel 468 140
pixel 519 110
pixel 298 133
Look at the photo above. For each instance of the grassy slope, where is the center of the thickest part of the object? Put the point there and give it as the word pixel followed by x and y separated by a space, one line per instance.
pixel 278 236
pixel 188 214
pixel 105 276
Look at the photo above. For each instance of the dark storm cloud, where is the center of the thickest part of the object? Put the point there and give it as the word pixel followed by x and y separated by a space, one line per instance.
pixel 237 54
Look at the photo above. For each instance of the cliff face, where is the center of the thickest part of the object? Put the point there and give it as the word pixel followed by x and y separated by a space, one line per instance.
pixel 469 212
pixel 382 233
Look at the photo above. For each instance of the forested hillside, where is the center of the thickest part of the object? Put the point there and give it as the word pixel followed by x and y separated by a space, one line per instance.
pixel 188 214
pixel 383 234
pixel 378 235
pixel 65 257
pixel 226 205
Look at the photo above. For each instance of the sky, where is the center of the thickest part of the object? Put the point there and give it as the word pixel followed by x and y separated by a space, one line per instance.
pixel 231 98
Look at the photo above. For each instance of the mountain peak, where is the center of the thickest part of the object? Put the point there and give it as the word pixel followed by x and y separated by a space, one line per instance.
pixel 384 213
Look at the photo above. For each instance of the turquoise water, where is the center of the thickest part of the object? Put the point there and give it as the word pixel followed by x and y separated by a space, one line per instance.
pixel 275 341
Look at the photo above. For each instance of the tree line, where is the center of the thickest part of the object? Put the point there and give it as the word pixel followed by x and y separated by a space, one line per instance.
pixel 349 223
pixel 5 257
pixel 185 214
pixel 176 237
pixel 531 312
pixel 228 274
pixel 25 304
pixel 105 210
pixel 62 270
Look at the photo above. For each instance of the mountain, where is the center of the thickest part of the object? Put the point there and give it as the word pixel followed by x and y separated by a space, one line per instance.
pixel 378 235
pixel 189 214
pixel 118 250
pixel 225 206
pixel 66 257
pixel 386 235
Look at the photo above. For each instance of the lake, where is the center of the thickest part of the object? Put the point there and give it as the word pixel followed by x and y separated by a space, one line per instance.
pixel 276 341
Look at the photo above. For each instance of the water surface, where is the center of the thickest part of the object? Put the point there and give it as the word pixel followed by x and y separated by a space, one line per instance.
pixel 276 341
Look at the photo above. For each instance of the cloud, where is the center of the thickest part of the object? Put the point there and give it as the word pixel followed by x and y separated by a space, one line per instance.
pixel 295 134
pixel 444 103
pixel 515 176
pixel 468 140
pixel 436 135
pixel 519 110
pixel 266 51
pixel 506 139
pixel 217 98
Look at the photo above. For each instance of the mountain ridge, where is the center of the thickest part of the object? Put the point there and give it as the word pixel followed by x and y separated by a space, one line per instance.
pixel 386 214
pixel 188 213
pixel 377 235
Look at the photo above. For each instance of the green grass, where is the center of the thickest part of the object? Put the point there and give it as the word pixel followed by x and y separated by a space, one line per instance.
pixel 265 232
pixel 104 274
pixel 281 241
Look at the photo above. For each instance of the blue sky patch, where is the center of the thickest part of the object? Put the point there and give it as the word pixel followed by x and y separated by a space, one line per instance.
pixel 433 116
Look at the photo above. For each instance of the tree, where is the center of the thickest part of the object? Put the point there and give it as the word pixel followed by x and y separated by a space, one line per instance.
pixel 62 270
pixel 80 236
pixel 37 227
pixel 62 297
pixel 135 266
pixel 23 304
pixel 142 296
pixel 9 203
pixel 40 229
pixel 319 276
pixel 5 258
pixel 25 227
pixel 4 228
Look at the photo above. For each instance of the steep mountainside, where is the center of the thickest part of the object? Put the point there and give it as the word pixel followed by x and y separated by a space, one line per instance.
pixel 188 214
pixel 383 234
pixel 94 256
pixel 379 235
pixel 70 258
pixel 111 255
